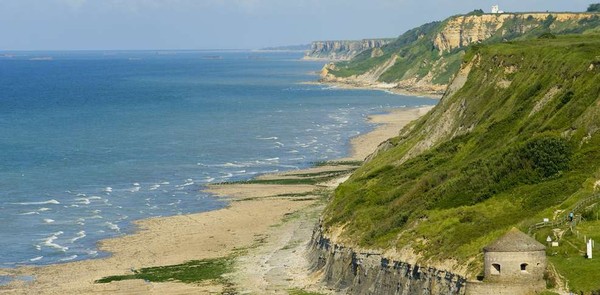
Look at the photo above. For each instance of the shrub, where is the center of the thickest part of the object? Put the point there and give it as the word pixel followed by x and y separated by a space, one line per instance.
pixel 476 12
pixel 547 155
pixel 594 8
pixel 547 36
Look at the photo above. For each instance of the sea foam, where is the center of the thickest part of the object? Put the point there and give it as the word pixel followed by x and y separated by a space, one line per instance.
pixel 53 202
pixel 49 242
pixel 80 235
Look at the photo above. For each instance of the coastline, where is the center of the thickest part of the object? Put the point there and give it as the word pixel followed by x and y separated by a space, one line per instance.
pixel 269 224
pixel 393 90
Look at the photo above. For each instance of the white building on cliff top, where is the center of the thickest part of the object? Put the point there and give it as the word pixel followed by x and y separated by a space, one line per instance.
pixel 496 9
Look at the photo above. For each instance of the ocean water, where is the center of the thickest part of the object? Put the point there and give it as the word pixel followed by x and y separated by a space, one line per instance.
pixel 90 141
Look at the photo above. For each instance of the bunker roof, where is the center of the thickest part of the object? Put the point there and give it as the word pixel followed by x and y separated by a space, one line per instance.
pixel 514 241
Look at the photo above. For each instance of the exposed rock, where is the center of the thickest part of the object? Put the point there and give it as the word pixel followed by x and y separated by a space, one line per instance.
pixel 465 30
pixel 376 52
pixel 371 273
pixel 343 50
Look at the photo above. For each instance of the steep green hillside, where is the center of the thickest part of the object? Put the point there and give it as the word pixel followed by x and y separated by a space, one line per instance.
pixel 515 138
pixel 426 58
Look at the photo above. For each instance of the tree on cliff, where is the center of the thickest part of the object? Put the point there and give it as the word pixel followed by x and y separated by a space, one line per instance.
pixel 594 8
pixel 476 12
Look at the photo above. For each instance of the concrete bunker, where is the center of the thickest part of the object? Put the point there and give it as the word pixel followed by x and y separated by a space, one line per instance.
pixel 514 257
pixel 513 264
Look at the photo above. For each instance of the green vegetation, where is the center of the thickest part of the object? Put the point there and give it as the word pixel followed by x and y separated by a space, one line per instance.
pixel 594 8
pixel 547 36
pixel 476 12
pixel 307 178
pixel 196 271
pixel 363 62
pixel 569 258
pixel 487 158
pixel 302 292
pixel 418 57
pixel 303 178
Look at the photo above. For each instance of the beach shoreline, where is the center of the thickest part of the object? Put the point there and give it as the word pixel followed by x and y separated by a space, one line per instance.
pixel 258 220
pixel 392 90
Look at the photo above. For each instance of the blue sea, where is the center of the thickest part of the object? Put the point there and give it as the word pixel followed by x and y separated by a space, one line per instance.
pixel 90 141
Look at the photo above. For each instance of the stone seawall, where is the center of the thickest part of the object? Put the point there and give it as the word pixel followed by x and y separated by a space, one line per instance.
pixel 370 273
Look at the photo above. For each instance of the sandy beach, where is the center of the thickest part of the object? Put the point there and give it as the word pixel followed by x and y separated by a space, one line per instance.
pixel 379 87
pixel 266 226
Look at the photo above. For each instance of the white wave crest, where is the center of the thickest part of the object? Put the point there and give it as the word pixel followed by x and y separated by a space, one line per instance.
pixel 54 202
pixel 69 258
pixel 188 182
pixel 49 242
pixel 232 165
pixel 80 235
pixel 112 226
pixel 83 201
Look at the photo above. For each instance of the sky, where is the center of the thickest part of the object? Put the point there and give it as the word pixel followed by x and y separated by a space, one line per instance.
pixel 226 24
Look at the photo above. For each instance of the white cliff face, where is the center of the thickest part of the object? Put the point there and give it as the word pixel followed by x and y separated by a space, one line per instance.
pixel 342 50
pixel 462 31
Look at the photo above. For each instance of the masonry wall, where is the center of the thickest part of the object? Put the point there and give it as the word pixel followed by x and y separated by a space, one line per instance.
pixel 479 288
pixel 510 266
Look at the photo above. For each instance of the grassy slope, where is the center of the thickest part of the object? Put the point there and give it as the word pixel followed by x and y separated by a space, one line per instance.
pixel 364 62
pixel 511 169
pixel 418 56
